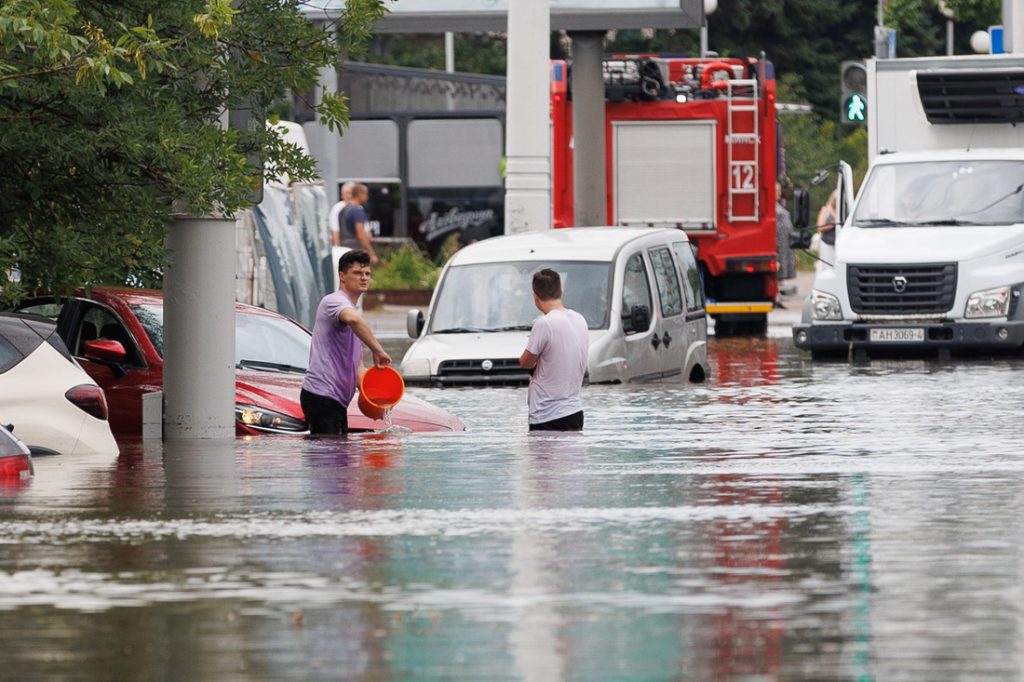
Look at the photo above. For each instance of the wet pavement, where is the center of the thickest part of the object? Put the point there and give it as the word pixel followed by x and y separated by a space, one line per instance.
pixel 787 520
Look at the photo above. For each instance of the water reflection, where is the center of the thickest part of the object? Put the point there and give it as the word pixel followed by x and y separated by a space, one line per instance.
pixel 787 520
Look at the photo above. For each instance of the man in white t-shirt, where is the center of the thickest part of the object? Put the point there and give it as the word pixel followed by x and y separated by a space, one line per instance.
pixel 557 353
pixel 333 218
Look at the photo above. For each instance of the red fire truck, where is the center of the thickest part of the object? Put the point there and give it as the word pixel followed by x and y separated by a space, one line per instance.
pixel 691 144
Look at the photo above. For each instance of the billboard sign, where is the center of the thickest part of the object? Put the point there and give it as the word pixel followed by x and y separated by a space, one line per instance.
pixel 439 16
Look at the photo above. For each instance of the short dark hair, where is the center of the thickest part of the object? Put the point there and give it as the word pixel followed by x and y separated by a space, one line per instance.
pixel 547 284
pixel 350 258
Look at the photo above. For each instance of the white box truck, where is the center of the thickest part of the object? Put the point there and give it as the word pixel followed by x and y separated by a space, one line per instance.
pixel 929 259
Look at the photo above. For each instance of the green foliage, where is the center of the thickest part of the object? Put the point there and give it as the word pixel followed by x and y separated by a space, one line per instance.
pixel 111 109
pixel 805 261
pixel 921 28
pixel 813 143
pixel 406 268
pixel 474 52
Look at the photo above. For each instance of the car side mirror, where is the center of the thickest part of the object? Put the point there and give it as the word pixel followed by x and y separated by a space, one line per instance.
pixel 414 323
pixel 801 208
pixel 639 318
pixel 105 350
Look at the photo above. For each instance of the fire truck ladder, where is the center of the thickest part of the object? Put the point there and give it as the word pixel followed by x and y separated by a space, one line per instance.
pixel 742 146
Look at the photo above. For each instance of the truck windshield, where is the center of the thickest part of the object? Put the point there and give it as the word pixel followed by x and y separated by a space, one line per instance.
pixel 491 297
pixel 942 193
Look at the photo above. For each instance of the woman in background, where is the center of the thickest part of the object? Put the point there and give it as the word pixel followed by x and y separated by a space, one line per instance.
pixel 827 217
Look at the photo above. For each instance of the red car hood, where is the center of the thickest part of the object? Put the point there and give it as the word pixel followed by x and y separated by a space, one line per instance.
pixel 279 391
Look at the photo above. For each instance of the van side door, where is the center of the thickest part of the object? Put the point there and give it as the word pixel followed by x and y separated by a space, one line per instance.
pixel 638 317
pixel 696 315
pixel 669 342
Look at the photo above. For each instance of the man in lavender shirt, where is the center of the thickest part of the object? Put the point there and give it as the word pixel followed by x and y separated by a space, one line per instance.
pixel 336 354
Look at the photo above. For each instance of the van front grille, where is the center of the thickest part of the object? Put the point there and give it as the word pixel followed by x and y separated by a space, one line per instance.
pixel 901 289
pixel 502 372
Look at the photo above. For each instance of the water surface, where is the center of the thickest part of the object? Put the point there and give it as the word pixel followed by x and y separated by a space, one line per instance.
pixel 787 520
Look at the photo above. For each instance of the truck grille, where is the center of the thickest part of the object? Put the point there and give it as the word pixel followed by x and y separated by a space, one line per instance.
pixel 503 372
pixel 901 289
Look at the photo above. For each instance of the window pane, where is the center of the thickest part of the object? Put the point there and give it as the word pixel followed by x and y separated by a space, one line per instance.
pixel 368 151
pixel 496 296
pixel 9 355
pixel 635 291
pixel 668 282
pixel 50 310
pixel 152 320
pixel 263 338
pixel 692 285
pixel 438 154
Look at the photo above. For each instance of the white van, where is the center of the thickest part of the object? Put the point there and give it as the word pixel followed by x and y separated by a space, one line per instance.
pixel 638 288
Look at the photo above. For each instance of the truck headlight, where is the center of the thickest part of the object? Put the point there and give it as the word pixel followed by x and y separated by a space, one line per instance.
pixel 989 303
pixel 825 306
pixel 268 420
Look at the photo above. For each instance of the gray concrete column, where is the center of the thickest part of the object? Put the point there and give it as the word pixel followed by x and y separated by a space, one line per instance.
pixel 324 144
pixel 590 188
pixel 1013 25
pixel 199 329
pixel 528 124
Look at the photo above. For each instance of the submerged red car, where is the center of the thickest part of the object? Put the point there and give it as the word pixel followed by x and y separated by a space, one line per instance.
pixel 117 337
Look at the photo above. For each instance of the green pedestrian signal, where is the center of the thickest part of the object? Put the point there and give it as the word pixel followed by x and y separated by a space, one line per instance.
pixel 854 109
pixel 853 101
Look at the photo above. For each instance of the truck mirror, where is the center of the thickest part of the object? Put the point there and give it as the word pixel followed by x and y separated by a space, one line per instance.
pixel 801 208
pixel 800 239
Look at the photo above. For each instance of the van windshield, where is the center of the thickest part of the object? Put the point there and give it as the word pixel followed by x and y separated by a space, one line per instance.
pixel 977 192
pixel 491 297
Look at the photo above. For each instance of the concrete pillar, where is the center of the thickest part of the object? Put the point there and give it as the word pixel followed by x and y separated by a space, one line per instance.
pixel 449 52
pixel 449 67
pixel 527 123
pixel 1013 25
pixel 199 329
pixel 590 190
pixel 324 144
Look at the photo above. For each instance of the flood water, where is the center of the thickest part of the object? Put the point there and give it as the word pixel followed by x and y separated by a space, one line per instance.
pixel 787 520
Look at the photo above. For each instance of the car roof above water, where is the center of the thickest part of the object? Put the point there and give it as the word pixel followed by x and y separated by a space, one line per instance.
pixel 153 297
pixel 576 243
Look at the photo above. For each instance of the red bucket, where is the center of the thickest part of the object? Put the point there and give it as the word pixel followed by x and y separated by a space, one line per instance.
pixel 380 389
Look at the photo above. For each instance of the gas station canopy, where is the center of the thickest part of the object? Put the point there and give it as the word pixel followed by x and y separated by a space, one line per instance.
pixel 439 16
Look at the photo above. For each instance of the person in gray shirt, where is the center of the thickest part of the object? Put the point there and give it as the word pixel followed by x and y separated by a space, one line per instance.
pixel 557 353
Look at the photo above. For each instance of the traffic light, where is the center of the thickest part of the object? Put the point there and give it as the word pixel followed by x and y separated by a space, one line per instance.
pixel 853 79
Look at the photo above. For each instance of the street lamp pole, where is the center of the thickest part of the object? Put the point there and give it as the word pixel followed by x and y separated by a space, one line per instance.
pixel 947 12
pixel 881 33
pixel 709 8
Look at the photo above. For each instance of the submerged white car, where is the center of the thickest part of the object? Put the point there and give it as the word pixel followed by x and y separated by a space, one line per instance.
pixel 54 406
pixel 638 288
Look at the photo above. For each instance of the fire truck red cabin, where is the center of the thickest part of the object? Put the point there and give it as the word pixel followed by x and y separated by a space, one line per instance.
pixel 690 144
